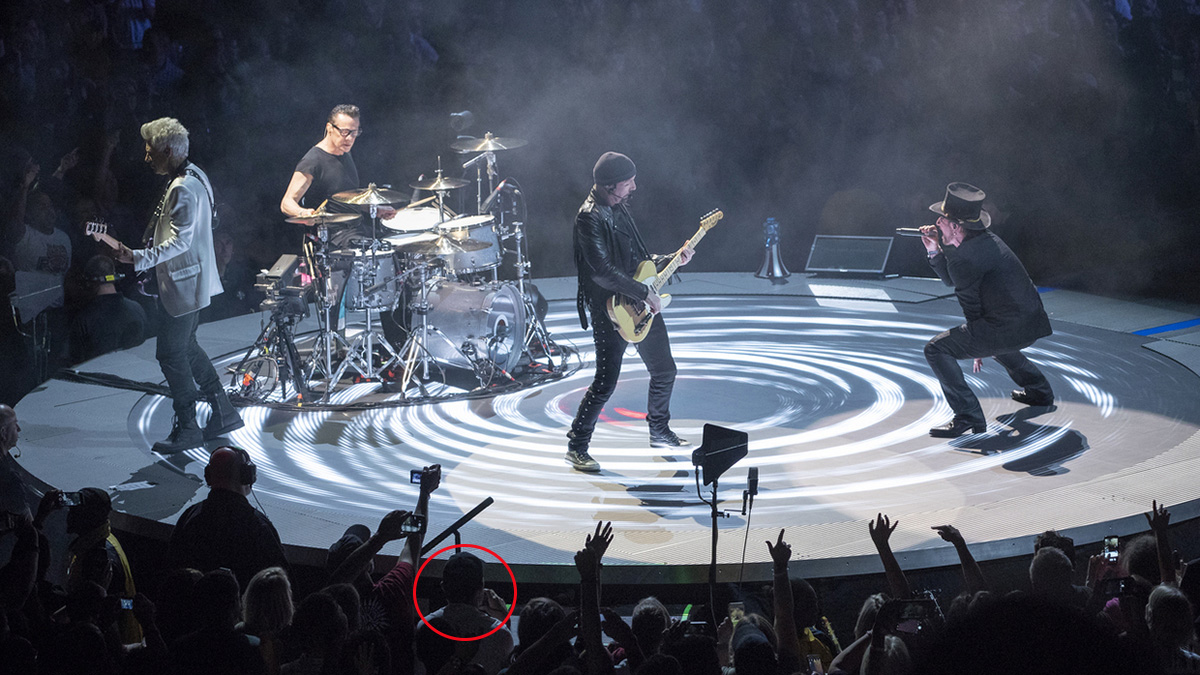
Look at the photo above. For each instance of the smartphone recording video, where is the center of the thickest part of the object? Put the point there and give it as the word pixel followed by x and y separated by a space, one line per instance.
pixel 1110 549
pixel 737 610
pixel 414 476
pixel 413 524
pixel 71 499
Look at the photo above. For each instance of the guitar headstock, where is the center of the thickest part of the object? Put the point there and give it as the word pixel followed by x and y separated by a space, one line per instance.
pixel 709 221
pixel 95 229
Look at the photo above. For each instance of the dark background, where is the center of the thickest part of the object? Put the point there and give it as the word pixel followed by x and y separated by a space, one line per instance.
pixel 1078 117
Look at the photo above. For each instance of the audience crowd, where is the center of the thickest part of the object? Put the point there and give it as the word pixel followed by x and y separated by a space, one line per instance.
pixel 226 604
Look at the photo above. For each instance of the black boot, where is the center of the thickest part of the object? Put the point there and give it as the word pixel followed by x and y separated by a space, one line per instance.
pixel 185 435
pixel 224 418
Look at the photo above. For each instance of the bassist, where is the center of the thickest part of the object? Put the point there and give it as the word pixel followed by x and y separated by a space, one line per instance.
pixel 608 249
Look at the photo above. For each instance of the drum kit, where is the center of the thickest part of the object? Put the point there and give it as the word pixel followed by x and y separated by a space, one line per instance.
pixel 433 273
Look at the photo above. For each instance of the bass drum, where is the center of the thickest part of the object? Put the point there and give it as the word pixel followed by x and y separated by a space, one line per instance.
pixel 485 322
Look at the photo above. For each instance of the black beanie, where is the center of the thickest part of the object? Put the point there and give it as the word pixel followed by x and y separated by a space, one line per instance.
pixel 612 168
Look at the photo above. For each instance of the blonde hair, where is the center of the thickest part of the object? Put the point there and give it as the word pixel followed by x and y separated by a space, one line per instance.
pixel 267 605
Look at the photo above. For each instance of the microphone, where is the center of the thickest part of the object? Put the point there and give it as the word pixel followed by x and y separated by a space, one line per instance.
pixel 461 120
pixel 752 481
pixel 496 193
pixel 908 232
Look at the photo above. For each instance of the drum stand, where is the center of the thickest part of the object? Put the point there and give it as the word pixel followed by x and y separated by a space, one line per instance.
pixel 535 330
pixel 416 354
pixel 273 359
pixel 360 352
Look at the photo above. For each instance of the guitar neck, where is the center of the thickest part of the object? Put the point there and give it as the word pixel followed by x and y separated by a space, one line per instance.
pixel 661 277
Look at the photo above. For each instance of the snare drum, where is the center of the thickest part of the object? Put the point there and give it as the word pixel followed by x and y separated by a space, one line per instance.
pixel 481 229
pixel 412 220
pixel 367 277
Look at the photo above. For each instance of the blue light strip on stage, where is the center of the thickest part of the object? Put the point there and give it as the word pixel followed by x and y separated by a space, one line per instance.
pixel 1167 328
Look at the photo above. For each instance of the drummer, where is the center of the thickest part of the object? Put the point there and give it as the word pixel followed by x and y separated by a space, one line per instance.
pixel 326 169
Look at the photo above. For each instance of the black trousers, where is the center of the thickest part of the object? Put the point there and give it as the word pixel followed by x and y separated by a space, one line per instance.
pixel 186 366
pixel 655 351
pixel 943 353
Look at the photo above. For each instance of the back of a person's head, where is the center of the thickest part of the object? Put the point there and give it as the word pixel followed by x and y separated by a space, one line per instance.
pixel 267 605
pixel 806 606
pixel 174 605
pixel 751 651
pixel 696 654
pixel 226 470
pixel 765 625
pixel 659 664
pixel 92 511
pixel 1140 557
pixel 217 600
pixel 347 597
pixel 1056 540
pixel 650 618
pixel 462 578
pixel 319 624
pixel 867 614
pixel 1050 573
pixel 893 658
pixel 538 616
pixel 1169 616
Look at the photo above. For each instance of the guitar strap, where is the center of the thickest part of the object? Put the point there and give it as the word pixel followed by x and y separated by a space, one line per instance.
pixel 185 168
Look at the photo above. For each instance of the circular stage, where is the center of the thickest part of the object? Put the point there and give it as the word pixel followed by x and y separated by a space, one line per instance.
pixel 834 393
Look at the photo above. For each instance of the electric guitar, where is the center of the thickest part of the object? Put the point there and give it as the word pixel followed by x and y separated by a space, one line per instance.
pixel 147 283
pixel 633 318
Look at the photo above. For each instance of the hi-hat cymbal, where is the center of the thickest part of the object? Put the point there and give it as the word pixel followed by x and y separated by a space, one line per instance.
pixel 488 143
pixel 443 246
pixel 370 196
pixel 440 183
pixel 323 218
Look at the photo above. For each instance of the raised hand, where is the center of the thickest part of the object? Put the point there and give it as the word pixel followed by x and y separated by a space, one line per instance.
pixel 1158 517
pixel 599 541
pixel 949 533
pixel 881 529
pixel 586 563
pixel 781 552
pixel 431 478
pixel 390 526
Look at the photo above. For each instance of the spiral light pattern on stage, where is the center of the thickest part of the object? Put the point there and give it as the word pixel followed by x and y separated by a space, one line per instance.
pixel 837 400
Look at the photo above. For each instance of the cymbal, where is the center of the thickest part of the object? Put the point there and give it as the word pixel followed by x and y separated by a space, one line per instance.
pixel 370 196
pixel 443 246
pixel 440 183
pixel 488 143
pixel 323 218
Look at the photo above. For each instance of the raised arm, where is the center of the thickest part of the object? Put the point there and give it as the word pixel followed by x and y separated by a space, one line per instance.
pixel 881 530
pixel 786 631
pixel 972 575
pixel 1159 519
pixel 357 562
pixel 431 478
pixel 588 562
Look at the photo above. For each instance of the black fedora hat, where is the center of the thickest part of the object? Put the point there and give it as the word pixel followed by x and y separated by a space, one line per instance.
pixel 964 205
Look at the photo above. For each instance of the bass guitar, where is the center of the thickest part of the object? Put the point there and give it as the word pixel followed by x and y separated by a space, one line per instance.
pixel 147 283
pixel 633 318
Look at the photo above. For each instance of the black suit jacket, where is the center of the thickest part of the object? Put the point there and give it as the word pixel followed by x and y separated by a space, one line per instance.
pixel 998 299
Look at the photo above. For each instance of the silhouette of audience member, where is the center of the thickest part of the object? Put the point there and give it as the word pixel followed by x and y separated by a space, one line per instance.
pixel 217 648
pixel 96 555
pixel 1172 631
pixel 462 583
pixel 320 630
pixel 267 610
pixel 224 530
pixel 387 605
pixel 1050 576
pixel 109 321
pixel 15 348
pixel 14 491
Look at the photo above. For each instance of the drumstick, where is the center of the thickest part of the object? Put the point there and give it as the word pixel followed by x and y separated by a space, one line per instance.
pixel 418 203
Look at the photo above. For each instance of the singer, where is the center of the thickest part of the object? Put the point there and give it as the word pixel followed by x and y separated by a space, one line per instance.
pixel 1003 309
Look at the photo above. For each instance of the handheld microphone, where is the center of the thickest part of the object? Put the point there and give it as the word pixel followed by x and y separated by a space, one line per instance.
pixel 752 481
pixel 908 232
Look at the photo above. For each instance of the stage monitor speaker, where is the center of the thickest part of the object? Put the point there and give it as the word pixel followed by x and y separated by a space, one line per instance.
pixel 720 449
pixel 837 254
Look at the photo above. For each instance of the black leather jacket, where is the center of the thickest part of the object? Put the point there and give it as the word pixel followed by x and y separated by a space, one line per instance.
pixel 608 249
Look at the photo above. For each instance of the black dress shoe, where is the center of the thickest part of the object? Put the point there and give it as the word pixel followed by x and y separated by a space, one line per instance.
pixel 956 428
pixel 1020 396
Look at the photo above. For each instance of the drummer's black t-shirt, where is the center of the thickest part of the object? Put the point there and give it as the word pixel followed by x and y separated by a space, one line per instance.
pixel 330 174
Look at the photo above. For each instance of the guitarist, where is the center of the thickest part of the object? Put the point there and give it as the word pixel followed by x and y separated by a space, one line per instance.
pixel 608 249
pixel 179 246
